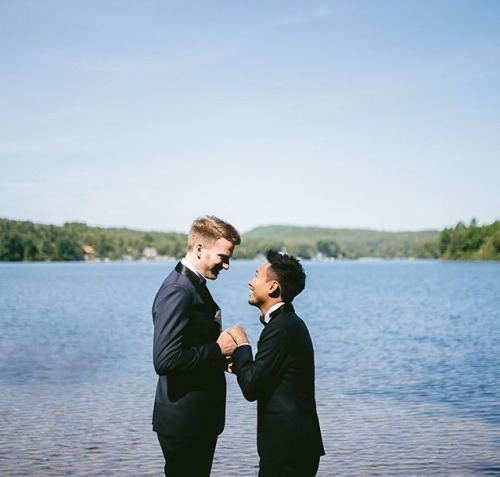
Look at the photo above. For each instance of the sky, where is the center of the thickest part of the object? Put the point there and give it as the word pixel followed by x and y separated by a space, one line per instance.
pixel 145 114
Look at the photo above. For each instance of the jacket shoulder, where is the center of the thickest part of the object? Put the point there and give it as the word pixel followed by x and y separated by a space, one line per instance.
pixel 175 284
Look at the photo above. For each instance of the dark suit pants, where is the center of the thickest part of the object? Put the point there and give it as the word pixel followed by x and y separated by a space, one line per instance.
pixel 292 468
pixel 188 456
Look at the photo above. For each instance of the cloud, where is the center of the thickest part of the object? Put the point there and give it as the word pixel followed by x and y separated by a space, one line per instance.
pixel 314 15
pixel 172 62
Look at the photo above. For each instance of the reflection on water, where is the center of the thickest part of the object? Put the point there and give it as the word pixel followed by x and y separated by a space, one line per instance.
pixel 407 356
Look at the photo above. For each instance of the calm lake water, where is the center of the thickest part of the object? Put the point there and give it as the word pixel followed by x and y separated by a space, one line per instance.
pixel 407 368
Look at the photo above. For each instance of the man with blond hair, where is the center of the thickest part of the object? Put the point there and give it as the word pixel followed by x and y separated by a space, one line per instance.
pixel 190 352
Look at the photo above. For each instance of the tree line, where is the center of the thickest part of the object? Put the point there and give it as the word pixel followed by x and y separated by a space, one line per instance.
pixel 27 241
pixel 470 242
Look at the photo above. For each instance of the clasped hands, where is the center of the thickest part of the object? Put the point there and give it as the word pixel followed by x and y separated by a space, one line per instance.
pixel 231 338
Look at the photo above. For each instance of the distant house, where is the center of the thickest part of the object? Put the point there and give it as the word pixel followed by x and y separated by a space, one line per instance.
pixel 88 249
pixel 89 252
pixel 150 253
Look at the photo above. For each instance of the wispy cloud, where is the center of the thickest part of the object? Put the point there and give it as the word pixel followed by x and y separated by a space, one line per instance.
pixel 311 15
pixel 170 63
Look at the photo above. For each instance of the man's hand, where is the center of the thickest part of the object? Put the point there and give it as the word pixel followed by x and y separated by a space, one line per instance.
pixel 226 343
pixel 238 334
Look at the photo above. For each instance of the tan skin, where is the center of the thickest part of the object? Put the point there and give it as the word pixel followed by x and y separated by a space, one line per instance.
pixel 264 293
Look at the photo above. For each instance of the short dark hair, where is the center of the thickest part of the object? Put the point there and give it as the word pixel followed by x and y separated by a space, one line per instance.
pixel 288 272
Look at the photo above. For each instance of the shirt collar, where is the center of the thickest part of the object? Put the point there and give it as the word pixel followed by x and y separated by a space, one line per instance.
pixel 267 317
pixel 196 272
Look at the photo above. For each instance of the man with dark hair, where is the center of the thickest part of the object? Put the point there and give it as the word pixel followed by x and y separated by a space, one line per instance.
pixel 281 377
pixel 189 352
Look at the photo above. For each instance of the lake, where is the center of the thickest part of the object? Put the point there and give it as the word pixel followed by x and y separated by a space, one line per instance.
pixel 407 368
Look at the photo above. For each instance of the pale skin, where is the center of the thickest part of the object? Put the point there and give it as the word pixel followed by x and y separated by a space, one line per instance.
pixel 227 343
pixel 210 259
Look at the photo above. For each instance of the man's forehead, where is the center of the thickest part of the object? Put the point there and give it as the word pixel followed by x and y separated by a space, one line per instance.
pixel 223 245
pixel 263 268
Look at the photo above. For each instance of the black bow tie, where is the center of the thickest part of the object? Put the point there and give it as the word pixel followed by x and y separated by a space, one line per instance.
pixel 262 320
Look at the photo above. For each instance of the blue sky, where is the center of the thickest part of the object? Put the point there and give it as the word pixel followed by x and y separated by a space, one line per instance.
pixel 380 114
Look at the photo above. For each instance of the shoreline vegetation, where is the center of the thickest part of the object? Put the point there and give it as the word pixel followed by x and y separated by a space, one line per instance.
pixel 75 241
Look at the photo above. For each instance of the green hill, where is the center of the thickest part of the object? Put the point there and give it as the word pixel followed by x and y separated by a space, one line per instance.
pixel 27 241
pixel 310 242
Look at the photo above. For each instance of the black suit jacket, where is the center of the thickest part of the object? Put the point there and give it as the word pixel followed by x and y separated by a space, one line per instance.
pixel 281 379
pixel 191 392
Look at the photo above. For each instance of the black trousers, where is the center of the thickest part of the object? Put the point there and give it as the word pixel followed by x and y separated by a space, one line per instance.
pixel 291 468
pixel 188 456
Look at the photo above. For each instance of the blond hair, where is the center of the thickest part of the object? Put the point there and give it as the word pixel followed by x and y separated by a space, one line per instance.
pixel 208 229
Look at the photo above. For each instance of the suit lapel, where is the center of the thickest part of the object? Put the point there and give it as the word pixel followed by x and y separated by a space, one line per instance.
pixel 286 308
pixel 202 289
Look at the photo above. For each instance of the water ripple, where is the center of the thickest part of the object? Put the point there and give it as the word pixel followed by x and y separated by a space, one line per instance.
pixel 407 357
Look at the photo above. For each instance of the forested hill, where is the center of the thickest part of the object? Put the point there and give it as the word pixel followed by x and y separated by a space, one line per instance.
pixel 347 243
pixel 27 241
pixel 462 242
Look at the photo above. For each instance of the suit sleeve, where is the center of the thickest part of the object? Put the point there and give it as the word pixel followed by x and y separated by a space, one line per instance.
pixel 260 376
pixel 170 315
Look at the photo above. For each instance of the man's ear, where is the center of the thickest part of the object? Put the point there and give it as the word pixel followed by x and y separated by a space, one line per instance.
pixel 274 290
pixel 198 248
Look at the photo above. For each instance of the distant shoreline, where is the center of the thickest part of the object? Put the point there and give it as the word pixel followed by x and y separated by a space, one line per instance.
pixel 27 241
